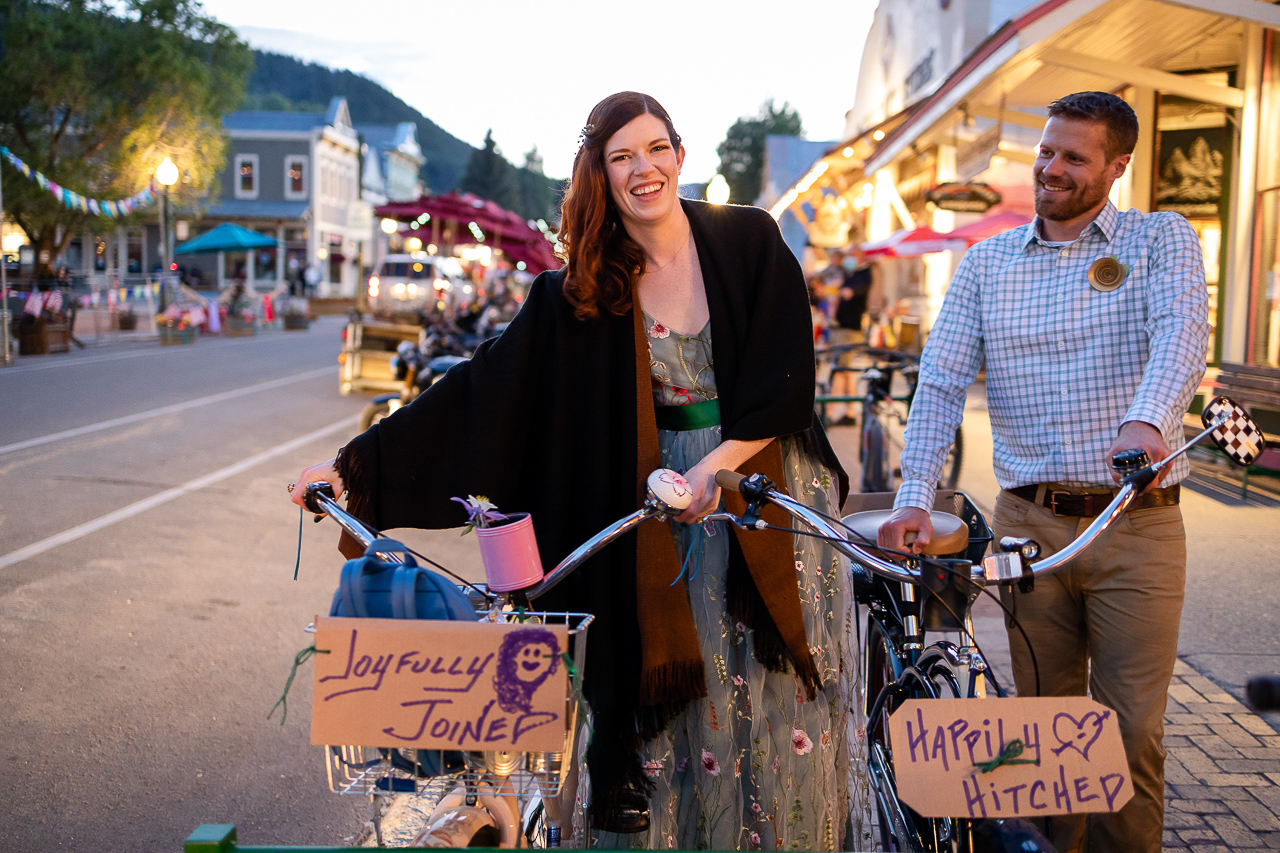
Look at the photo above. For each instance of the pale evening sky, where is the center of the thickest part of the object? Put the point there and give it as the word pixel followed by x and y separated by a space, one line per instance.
pixel 532 71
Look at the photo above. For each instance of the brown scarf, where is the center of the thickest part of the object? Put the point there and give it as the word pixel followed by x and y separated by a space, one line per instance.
pixel 672 670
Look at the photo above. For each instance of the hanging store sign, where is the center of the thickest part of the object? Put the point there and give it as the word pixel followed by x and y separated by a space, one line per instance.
pixel 964 197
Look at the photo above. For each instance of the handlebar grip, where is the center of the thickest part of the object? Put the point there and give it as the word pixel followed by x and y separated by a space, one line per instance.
pixel 309 495
pixel 730 480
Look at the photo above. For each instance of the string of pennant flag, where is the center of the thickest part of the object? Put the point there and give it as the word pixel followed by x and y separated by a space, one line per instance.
pixel 75 201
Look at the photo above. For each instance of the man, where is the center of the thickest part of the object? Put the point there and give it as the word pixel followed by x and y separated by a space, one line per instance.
pixel 1076 372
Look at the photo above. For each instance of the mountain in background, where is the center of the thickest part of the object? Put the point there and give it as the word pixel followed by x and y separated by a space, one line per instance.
pixel 282 82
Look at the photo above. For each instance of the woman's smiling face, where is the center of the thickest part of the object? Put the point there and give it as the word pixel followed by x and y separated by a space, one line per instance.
pixel 643 170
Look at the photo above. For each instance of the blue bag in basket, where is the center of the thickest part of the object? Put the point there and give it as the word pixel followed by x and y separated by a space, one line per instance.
pixel 370 587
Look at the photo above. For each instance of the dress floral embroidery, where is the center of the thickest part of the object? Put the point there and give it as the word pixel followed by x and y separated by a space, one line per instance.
pixel 782 793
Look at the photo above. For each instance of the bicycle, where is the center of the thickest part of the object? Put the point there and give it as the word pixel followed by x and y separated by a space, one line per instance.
pixel 883 414
pixel 934 592
pixel 492 799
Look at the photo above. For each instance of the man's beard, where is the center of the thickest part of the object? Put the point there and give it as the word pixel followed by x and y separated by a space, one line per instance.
pixel 1062 207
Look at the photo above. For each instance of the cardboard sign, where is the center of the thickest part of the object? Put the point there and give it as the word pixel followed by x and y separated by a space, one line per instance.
pixel 440 685
pixel 944 753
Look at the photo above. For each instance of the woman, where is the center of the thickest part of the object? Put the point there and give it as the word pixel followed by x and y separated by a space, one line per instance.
pixel 677 335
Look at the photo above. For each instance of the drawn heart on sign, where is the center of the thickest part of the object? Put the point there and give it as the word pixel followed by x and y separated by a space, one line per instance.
pixel 1078 734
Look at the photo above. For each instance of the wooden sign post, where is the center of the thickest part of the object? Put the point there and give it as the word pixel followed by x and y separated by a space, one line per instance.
pixel 440 685
pixel 961 757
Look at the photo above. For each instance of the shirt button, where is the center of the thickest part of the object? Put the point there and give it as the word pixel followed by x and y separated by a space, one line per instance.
pixel 1067 442
pixel 1062 253
pixel 1061 344
pixel 1064 392
pixel 1058 296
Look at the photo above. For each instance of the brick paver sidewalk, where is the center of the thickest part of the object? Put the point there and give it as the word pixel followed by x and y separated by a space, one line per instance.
pixel 1222 776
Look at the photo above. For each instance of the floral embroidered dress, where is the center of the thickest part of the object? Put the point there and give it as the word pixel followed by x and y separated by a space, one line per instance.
pixel 754 766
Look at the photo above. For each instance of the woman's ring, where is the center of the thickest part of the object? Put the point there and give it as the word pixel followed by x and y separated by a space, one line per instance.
pixel 290 487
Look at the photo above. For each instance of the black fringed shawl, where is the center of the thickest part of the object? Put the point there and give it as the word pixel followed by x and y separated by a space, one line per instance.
pixel 544 420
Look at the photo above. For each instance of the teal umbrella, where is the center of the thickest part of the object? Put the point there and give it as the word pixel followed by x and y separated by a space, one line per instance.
pixel 227 237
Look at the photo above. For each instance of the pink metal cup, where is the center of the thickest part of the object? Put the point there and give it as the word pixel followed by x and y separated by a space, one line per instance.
pixel 510 554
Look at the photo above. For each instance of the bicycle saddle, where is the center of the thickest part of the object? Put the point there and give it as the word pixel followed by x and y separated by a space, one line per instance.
pixel 950 534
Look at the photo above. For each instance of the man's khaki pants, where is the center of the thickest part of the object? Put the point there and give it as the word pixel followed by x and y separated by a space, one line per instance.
pixel 1107 621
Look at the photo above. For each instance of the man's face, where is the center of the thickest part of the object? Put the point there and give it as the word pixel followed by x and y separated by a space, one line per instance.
pixel 1072 174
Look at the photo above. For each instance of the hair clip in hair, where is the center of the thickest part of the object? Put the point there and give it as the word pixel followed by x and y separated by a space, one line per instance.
pixel 586 131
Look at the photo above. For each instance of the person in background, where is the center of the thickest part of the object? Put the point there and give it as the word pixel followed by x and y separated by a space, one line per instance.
pixel 848 280
pixel 1077 371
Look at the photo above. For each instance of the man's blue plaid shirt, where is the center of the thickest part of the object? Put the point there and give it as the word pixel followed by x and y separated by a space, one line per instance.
pixel 1066 364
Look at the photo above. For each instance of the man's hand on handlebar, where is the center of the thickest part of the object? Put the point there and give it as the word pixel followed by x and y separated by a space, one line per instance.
pixel 908 528
pixel 323 471
pixel 1137 434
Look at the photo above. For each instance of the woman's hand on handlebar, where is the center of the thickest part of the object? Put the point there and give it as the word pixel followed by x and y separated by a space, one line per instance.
pixel 907 528
pixel 706 494
pixel 321 472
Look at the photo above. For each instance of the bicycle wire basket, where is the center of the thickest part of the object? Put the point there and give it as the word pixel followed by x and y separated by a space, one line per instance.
pixel 383 771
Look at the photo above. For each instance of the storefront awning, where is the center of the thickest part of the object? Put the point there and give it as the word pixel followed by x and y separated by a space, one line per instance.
pixel 1063 46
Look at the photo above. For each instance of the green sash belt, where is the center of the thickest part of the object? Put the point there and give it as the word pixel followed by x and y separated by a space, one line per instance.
pixel 683 418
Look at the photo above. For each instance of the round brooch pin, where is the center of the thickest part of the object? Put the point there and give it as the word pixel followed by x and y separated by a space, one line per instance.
pixel 1106 274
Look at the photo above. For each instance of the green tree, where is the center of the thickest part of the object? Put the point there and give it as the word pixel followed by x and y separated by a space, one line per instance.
pixel 742 152
pixel 491 177
pixel 98 92
pixel 537 198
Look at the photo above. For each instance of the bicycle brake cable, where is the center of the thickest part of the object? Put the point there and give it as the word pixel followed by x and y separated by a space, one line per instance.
pixel 488 596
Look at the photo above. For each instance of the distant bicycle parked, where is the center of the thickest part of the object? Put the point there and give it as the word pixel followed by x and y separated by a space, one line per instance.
pixel 882 415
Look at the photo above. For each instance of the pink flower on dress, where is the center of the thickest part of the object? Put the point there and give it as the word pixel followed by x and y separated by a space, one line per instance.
pixel 860 733
pixel 657 330
pixel 799 566
pixel 826 739
pixel 652 769
pixel 800 742
pixel 755 807
pixel 755 838
pixel 682 764
pixel 737 680
pixel 709 763
pixel 775 765
pixel 741 628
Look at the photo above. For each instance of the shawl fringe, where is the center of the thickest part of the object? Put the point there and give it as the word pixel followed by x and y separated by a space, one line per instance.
pixel 351 468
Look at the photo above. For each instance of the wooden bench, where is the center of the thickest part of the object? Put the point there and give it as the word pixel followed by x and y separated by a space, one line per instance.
pixel 1257 388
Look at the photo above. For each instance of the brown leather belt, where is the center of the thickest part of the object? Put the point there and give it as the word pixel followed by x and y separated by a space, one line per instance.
pixel 1066 503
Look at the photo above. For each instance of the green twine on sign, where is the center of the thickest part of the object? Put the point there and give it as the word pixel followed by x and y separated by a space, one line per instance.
pixel 299 659
pixel 568 664
pixel 1008 755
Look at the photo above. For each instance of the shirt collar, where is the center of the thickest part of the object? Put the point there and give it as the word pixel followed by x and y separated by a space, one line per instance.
pixel 1105 223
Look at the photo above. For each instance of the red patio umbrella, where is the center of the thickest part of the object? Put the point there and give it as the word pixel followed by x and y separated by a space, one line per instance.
pixel 910 242
pixel 989 226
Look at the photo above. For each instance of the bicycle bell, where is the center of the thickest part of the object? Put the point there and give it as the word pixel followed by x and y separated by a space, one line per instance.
pixel 1126 462
pixel 668 492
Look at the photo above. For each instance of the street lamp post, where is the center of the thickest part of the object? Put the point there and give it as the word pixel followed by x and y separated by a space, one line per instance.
pixel 167 175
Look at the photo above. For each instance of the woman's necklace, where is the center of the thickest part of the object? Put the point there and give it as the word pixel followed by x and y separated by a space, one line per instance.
pixel 682 252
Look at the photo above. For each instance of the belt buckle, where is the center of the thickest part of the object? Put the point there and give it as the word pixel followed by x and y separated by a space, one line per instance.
pixel 1053 502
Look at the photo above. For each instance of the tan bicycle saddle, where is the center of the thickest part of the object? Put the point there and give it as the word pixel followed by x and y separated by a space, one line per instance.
pixel 950 534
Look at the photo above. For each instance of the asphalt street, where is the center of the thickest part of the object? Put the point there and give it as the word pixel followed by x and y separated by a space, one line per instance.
pixel 148 612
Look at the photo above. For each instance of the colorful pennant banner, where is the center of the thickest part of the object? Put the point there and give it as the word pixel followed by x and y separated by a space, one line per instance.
pixel 75 201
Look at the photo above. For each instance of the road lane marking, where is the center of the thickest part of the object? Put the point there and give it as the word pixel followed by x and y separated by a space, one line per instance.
pixel 164 497
pixel 168 410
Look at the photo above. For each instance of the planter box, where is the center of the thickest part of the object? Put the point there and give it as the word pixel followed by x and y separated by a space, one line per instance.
pixel 126 322
pixel 238 327
pixel 173 336
pixel 296 322
pixel 33 337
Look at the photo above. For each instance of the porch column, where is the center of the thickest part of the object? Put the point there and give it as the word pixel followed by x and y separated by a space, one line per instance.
pixel 280 253
pixel 1233 320
pixel 122 252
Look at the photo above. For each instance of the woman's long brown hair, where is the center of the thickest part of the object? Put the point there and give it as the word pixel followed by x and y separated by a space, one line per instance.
pixel 603 261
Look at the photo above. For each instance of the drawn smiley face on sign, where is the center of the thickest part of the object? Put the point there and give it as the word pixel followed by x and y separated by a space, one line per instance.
pixel 526 658
pixel 533 661
pixel 1079 734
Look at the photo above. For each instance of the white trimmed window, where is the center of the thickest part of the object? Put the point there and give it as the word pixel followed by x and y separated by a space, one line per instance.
pixel 246 176
pixel 295 178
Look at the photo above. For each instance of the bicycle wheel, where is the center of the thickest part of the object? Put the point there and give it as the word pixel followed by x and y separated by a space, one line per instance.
pixel 900 827
pixel 951 468
pixel 873 453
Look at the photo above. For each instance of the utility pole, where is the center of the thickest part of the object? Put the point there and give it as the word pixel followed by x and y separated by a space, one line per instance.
pixel 6 354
